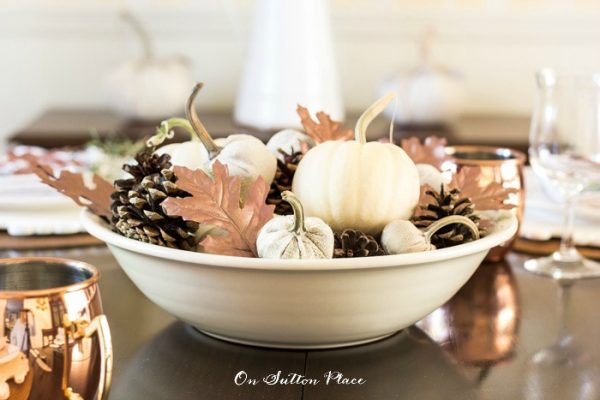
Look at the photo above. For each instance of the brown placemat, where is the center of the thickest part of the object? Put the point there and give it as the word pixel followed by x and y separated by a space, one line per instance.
pixel 73 127
pixel 8 242
pixel 547 247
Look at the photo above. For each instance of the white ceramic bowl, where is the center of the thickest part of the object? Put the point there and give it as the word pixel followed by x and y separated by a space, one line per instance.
pixel 298 303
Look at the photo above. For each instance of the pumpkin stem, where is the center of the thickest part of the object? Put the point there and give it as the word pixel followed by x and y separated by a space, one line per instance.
pixel 293 201
pixel 449 220
pixel 360 131
pixel 140 32
pixel 165 131
pixel 198 127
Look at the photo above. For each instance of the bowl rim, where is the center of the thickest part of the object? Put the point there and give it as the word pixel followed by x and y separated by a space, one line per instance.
pixel 505 228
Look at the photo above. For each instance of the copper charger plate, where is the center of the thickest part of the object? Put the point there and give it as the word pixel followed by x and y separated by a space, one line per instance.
pixel 545 248
pixel 8 242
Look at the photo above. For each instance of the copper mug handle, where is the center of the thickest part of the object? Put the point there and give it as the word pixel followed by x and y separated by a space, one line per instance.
pixel 80 329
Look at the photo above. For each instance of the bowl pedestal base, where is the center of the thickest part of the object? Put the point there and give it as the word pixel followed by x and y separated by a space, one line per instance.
pixel 295 346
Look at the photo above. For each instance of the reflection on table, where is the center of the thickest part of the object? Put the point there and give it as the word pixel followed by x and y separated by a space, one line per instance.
pixel 479 325
pixel 487 342
pixel 193 363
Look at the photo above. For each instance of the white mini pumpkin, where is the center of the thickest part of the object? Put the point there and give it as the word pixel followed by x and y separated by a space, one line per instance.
pixel 288 140
pixel 244 155
pixel 150 87
pixel 428 94
pixel 402 236
pixel 295 237
pixel 355 184
pixel 191 154
pixel 430 175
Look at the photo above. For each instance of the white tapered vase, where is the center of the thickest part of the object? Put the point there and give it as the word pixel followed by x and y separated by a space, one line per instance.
pixel 290 61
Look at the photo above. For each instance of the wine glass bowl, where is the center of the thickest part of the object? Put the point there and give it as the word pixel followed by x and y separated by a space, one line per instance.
pixel 564 148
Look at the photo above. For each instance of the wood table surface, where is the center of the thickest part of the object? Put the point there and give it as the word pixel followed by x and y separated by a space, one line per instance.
pixel 75 127
pixel 507 334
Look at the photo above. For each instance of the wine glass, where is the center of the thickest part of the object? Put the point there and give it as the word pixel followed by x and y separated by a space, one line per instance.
pixel 564 149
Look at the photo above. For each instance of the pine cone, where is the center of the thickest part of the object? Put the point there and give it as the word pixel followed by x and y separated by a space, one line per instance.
pixel 283 181
pixel 446 203
pixel 353 243
pixel 136 208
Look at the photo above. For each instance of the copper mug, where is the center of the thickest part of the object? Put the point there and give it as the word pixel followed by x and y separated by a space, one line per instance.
pixel 501 165
pixel 54 340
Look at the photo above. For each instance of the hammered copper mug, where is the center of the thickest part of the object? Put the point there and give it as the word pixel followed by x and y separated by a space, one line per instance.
pixel 54 340
pixel 501 165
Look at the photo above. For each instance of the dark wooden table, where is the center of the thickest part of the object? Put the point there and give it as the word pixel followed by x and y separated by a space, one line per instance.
pixel 74 127
pixel 506 334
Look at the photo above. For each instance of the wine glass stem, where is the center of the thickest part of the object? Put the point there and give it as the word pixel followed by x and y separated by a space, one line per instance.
pixel 564 302
pixel 567 251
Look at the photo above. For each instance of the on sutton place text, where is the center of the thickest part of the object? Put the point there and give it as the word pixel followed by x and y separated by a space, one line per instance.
pixel 278 378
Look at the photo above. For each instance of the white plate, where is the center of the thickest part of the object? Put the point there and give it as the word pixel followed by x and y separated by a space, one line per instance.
pixel 544 213
pixel 29 207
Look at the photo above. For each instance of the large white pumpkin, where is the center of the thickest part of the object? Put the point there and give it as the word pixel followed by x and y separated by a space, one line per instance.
pixel 358 185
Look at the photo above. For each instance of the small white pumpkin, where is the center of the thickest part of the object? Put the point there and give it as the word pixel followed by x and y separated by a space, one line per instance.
pixel 355 184
pixel 402 236
pixel 288 140
pixel 294 237
pixel 150 87
pixel 430 175
pixel 244 155
pixel 191 154
pixel 428 94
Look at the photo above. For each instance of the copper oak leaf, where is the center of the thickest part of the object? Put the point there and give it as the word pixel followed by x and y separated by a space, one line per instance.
pixel 96 197
pixel 491 196
pixel 324 128
pixel 217 201
pixel 432 151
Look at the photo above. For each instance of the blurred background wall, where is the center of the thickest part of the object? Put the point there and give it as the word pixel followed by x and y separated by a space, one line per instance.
pixel 58 52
